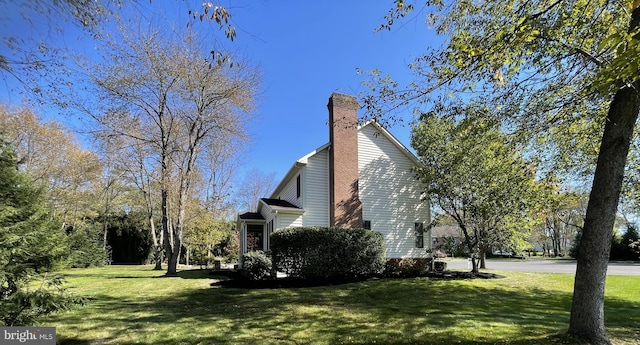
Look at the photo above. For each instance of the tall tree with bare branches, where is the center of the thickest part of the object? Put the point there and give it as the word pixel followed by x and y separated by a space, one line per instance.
pixel 176 100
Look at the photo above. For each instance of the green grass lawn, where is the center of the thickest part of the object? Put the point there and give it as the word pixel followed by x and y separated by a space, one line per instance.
pixel 133 304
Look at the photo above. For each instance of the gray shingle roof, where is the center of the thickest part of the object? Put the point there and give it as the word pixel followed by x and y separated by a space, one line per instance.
pixel 279 203
pixel 251 216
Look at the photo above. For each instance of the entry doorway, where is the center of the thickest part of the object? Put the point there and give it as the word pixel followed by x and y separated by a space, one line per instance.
pixel 255 237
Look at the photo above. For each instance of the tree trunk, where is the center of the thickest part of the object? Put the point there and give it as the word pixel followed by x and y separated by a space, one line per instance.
pixel 157 244
pixel 172 263
pixel 173 246
pixel 169 245
pixel 475 262
pixel 157 257
pixel 587 309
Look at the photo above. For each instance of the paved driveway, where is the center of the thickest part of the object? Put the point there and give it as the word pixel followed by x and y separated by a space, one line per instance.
pixel 546 266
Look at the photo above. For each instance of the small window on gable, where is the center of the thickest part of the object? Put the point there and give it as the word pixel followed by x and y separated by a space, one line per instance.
pixel 419 234
pixel 366 224
pixel 298 191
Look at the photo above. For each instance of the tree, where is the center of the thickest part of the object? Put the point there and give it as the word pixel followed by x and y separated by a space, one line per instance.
pixel 134 162
pixel 203 233
pixel 254 186
pixel 175 101
pixel 622 246
pixel 219 168
pixel 129 237
pixel 30 244
pixel 69 174
pixel 476 177
pixel 546 65
pixel 560 218
pixel 27 54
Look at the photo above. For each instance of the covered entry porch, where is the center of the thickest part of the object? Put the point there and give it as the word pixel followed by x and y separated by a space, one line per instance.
pixel 252 232
pixel 255 228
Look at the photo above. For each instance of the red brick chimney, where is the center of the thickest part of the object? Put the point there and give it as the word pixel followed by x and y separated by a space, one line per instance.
pixel 345 208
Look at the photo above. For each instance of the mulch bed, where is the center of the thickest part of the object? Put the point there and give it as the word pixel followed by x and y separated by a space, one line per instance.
pixel 464 275
pixel 237 281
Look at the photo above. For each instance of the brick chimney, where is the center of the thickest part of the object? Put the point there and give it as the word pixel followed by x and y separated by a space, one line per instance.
pixel 345 208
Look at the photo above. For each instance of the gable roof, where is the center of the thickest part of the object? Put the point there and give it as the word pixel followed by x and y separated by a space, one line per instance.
pixel 279 203
pixel 302 161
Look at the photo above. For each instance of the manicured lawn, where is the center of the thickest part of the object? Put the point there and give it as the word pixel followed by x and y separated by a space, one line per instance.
pixel 133 304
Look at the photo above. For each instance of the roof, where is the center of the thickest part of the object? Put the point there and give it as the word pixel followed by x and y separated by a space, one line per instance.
pixel 251 216
pixel 279 203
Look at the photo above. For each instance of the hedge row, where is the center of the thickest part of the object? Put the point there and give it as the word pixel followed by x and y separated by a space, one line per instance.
pixel 408 267
pixel 333 253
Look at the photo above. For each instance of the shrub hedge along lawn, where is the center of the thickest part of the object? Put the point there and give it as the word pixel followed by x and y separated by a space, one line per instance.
pixel 327 253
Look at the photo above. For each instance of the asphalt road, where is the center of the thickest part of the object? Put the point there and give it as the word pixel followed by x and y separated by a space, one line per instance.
pixel 546 266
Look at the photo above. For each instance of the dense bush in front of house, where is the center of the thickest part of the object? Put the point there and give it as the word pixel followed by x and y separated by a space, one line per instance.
pixel 256 265
pixel 407 267
pixel 331 253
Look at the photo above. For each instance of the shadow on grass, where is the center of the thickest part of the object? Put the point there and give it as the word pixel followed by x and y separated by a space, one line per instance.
pixel 398 312
pixel 195 273
pixel 185 274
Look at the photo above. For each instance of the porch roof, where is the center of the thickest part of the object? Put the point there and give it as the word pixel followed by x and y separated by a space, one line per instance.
pixel 279 203
pixel 251 216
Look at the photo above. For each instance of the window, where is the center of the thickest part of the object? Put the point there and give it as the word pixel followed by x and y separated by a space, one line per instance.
pixel 366 224
pixel 298 186
pixel 419 233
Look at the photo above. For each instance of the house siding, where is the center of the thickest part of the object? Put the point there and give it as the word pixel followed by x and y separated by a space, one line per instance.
pixel 390 195
pixel 285 220
pixel 289 192
pixel 315 182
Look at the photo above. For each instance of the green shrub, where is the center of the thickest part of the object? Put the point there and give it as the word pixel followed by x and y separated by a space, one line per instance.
pixel 86 247
pixel 406 267
pixel 334 253
pixel 256 265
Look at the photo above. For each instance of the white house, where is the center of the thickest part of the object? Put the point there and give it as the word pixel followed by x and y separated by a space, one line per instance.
pixel 362 178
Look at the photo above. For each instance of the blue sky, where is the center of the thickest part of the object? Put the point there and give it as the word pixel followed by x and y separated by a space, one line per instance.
pixel 305 50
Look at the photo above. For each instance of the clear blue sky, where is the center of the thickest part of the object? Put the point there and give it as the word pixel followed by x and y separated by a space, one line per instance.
pixel 305 50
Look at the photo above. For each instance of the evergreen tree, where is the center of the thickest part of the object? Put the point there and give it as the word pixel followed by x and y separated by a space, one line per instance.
pixel 30 244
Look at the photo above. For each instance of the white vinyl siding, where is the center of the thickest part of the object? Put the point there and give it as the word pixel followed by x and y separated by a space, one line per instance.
pixel 315 189
pixel 285 220
pixel 289 192
pixel 390 194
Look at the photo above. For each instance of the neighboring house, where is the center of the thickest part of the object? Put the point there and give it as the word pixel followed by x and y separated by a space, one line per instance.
pixel 362 178
pixel 444 236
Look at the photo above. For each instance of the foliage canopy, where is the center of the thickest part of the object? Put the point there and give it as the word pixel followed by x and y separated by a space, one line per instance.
pixel 472 173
